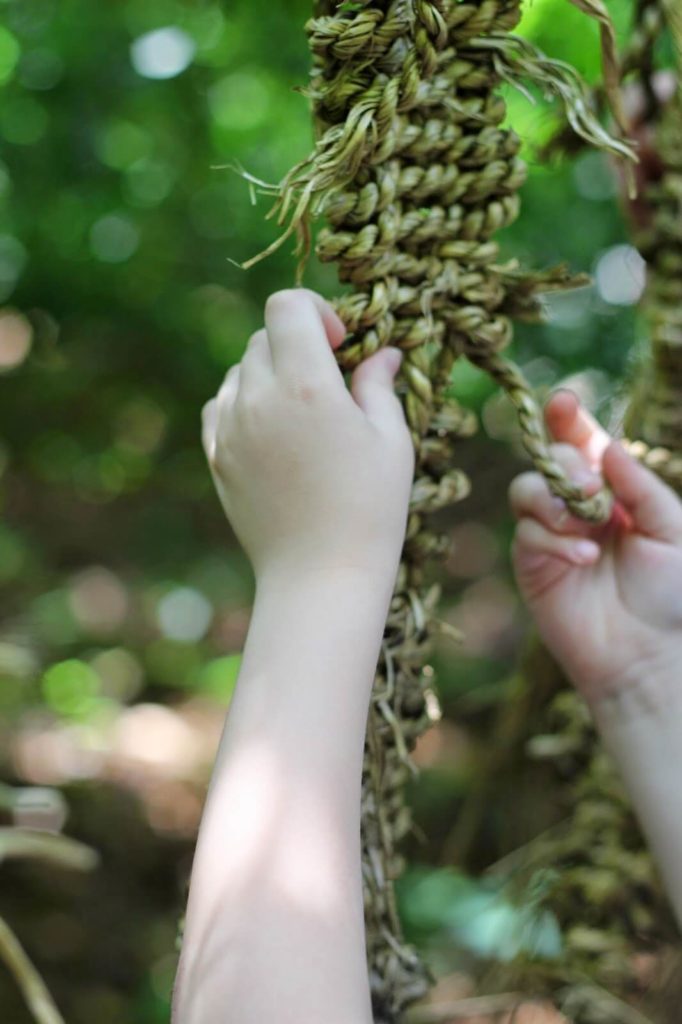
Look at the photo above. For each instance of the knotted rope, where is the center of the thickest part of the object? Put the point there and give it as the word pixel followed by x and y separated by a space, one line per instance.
pixel 415 174
pixel 602 873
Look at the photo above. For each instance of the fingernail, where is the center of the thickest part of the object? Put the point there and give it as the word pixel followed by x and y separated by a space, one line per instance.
pixel 586 550
pixel 397 358
pixel 339 320
pixel 586 479
pixel 560 512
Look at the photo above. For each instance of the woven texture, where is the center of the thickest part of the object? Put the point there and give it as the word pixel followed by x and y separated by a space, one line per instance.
pixel 605 890
pixel 423 176
pixel 415 174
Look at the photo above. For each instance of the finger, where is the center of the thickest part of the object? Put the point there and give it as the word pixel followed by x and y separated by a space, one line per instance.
pixel 209 427
pixel 530 497
pixel 568 421
pixel 534 546
pixel 372 387
pixel 529 493
pixel 334 325
pixel 256 363
pixel 576 466
pixel 228 389
pixel 300 346
pixel 654 507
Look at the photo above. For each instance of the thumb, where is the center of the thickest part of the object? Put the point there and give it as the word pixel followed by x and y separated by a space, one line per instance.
pixel 654 507
pixel 372 387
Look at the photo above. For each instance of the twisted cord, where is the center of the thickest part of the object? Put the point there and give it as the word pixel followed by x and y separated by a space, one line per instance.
pixel 600 859
pixel 415 174
pixel 406 115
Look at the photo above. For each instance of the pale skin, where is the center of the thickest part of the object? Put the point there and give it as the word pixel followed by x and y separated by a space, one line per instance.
pixel 315 480
pixel 607 601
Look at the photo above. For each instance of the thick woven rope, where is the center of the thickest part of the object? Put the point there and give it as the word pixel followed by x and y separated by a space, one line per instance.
pixel 415 176
pixel 603 886
pixel 415 173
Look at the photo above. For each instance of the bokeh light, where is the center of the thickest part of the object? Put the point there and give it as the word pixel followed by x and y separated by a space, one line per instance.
pixel 620 275
pixel 240 100
pixel 98 600
pixel 13 258
pixel 9 54
pixel 70 687
pixel 184 614
pixel 120 672
pixel 114 238
pixel 164 53
pixel 16 337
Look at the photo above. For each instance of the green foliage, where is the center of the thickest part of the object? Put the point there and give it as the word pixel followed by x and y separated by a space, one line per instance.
pixel 447 908
pixel 70 687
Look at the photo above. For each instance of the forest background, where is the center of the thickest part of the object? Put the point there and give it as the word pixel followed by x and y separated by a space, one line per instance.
pixel 124 598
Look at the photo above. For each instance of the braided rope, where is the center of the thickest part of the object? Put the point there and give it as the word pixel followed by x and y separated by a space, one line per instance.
pixel 405 115
pixel 604 872
pixel 414 175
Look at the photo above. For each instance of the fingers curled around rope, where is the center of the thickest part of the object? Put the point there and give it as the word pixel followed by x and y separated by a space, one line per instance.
pixel 256 365
pixel 594 504
pixel 372 387
pixel 530 494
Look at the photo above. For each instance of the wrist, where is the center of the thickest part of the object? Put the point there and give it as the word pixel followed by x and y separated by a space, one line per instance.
pixel 313 624
pixel 650 689
pixel 344 580
pixel 308 667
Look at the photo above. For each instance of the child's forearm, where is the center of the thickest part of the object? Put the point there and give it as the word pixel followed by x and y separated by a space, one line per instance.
pixel 641 726
pixel 275 924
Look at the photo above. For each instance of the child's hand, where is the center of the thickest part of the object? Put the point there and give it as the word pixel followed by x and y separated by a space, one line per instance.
pixel 607 600
pixel 312 477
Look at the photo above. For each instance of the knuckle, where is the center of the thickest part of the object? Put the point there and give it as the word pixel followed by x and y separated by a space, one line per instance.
pixel 224 398
pixel 220 457
pixel 257 338
pixel 227 384
pixel 213 457
pixel 307 391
